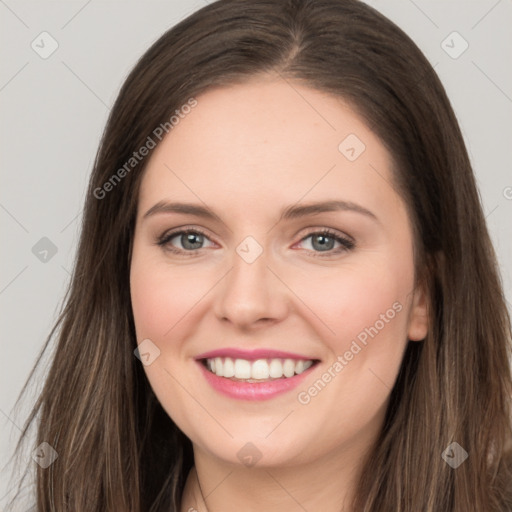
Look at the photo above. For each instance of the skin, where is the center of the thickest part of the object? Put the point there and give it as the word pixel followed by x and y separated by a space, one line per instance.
pixel 247 152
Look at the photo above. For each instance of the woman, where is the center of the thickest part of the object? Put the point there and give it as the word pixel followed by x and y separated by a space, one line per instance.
pixel 285 294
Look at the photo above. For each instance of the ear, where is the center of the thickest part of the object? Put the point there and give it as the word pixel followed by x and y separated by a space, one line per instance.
pixel 418 317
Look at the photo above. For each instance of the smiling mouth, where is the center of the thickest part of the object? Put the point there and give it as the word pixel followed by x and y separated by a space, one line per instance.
pixel 259 370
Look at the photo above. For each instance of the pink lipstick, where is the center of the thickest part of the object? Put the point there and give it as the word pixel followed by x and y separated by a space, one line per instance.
pixel 254 374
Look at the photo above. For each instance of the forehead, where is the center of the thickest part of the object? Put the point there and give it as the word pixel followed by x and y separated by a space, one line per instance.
pixel 270 139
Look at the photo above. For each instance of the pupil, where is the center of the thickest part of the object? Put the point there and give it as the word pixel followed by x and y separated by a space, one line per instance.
pixel 191 240
pixel 194 241
pixel 324 242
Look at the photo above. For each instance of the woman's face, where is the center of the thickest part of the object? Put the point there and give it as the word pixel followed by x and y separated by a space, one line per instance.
pixel 256 279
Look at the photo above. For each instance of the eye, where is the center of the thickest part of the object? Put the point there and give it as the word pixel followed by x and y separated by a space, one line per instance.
pixel 188 241
pixel 324 241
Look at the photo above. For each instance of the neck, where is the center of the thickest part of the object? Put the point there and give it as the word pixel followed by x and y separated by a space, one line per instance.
pixel 326 484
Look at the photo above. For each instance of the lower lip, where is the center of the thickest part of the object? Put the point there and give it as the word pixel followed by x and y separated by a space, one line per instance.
pixel 253 390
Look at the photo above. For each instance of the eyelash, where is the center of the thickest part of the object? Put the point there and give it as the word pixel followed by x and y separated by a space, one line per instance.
pixel 346 244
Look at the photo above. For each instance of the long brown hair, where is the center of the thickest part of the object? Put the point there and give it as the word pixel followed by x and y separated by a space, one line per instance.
pixel 117 449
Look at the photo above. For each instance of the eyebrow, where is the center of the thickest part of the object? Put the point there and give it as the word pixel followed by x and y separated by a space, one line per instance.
pixel 291 212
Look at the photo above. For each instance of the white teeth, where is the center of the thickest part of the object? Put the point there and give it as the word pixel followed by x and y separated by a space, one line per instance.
pixel 276 369
pixel 229 368
pixel 218 367
pixel 301 366
pixel 242 369
pixel 260 369
pixel 288 368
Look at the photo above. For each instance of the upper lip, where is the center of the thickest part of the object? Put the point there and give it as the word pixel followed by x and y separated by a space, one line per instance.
pixel 260 353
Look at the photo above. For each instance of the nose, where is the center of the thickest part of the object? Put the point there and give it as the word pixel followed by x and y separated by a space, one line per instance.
pixel 251 294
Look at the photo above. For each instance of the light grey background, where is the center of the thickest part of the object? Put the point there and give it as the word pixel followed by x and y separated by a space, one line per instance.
pixel 54 110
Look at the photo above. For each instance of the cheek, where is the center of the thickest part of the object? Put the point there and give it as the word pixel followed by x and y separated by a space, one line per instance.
pixel 352 302
pixel 364 316
pixel 162 302
pixel 366 308
pixel 365 311
pixel 161 297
